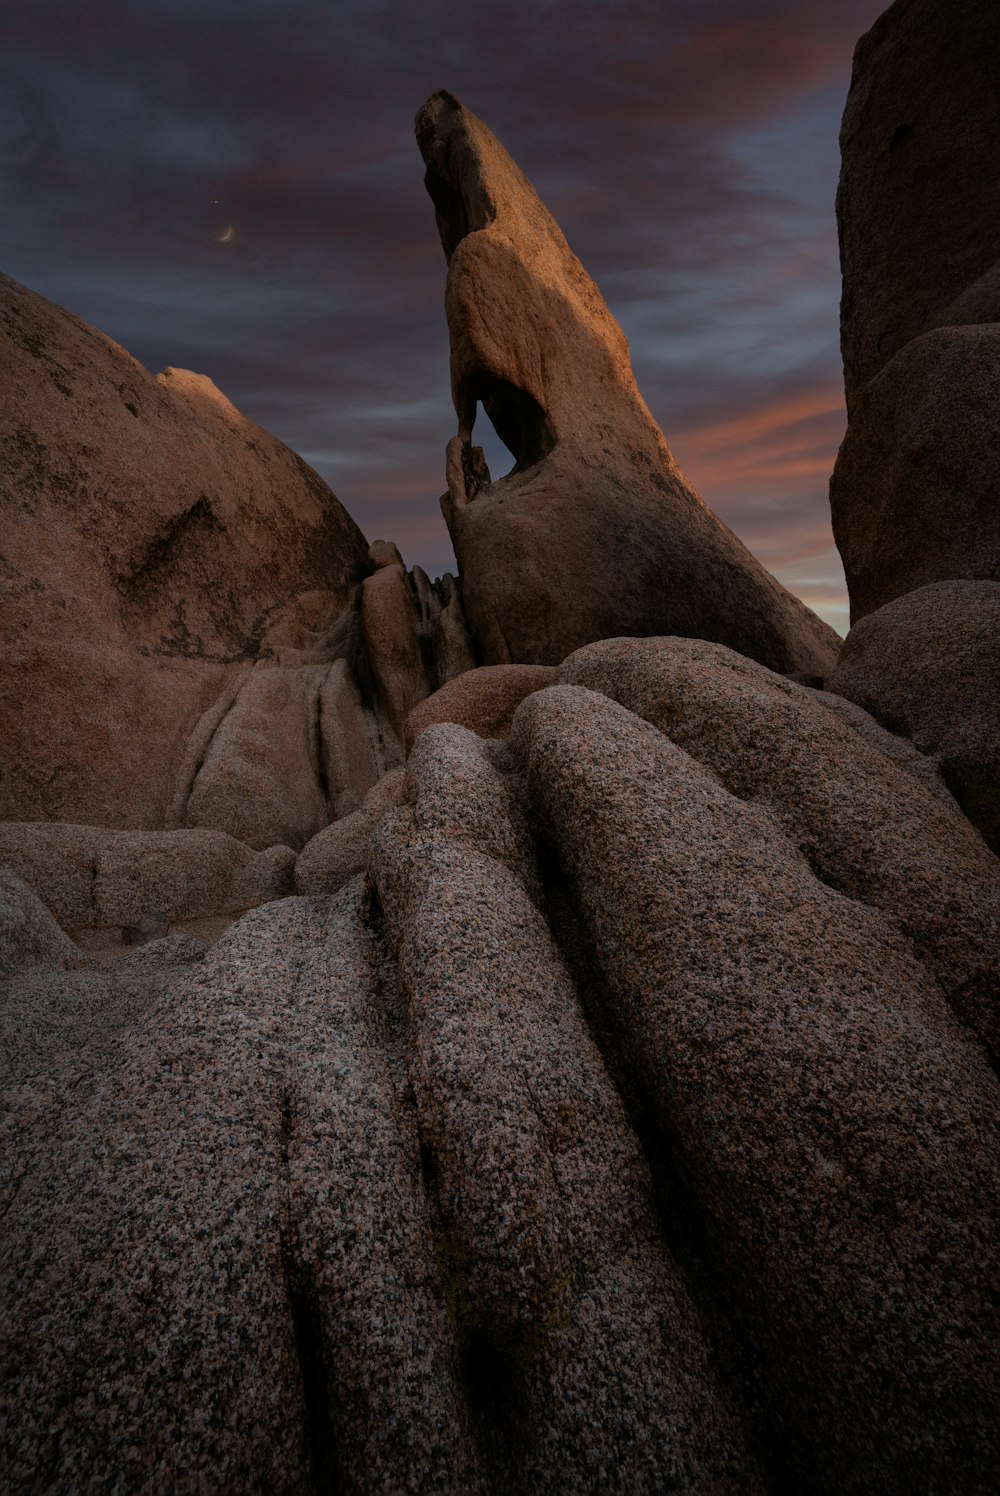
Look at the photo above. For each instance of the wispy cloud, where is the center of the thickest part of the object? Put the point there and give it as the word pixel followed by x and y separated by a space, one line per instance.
pixel 689 153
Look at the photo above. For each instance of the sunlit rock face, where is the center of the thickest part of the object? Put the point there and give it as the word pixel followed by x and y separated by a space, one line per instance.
pixel 914 493
pixel 627 1125
pixel 595 533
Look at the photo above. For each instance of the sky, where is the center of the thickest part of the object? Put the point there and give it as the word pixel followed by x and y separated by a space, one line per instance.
pixel 233 186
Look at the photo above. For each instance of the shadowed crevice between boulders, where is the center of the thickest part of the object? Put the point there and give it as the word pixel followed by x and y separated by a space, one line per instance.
pixel 682 1223
pixel 303 1297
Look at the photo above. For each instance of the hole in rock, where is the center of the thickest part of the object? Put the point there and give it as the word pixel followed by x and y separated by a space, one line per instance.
pixel 520 428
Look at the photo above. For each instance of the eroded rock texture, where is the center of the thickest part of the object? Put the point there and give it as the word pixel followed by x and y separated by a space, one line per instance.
pixel 208 639
pixel 629 1126
pixel 596 532
pixel 928 665
pixel 89 877
pixel 484 700
pixel 152 535
pixel 914 491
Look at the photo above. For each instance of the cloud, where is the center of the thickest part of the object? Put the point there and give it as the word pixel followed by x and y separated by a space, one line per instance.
pixel 688 152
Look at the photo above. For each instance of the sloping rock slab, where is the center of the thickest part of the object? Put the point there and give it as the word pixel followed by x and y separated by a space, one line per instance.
pixel 867 827
pixel 221 1272
pixel 833 1123
pixel 70 1018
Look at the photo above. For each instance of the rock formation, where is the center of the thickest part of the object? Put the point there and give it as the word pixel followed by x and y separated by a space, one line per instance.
pixel 595 533
pixel 613 1106
pixel 183 593
pixel 928 667
pixel 152 536
pixel 88 876
pixel 626 1127
pixel 914 491
pixel 484 700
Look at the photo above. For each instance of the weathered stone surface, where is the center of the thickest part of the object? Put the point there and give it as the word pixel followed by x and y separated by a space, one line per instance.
pixel 29 936
pixel 261 779
pixel 865 826
pixel 384 553
pixel 456 650
pixel 914 489
pixel 483 700
pixel 338 853
pixel 240 1292
pixel 595 533
pixel 917 207
pixel 151 535
pixel 415 636
pixel 88 876
pixel 542 1189
pixel 834 1125
pixel 890 744
pixel 390 618
pixel 50 1020
pixel 593 1141
pixel 928 665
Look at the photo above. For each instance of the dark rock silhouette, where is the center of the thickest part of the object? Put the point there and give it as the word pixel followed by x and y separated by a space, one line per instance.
pixel 595 533
pixel 914 491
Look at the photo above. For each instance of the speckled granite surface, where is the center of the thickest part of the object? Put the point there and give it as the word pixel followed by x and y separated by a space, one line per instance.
pixel 591 1141
pixel 834 1123
pixel 862 823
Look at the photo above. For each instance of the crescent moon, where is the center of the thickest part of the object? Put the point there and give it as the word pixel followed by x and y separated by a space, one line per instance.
pixel 226 235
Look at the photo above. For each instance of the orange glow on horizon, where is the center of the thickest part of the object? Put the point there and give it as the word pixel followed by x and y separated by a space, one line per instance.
pixel 769 443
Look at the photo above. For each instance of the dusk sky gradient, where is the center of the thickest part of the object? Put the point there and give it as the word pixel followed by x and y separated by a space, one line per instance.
pixel 688 151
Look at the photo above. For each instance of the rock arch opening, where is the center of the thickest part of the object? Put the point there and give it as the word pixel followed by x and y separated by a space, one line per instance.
pixel 521 425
